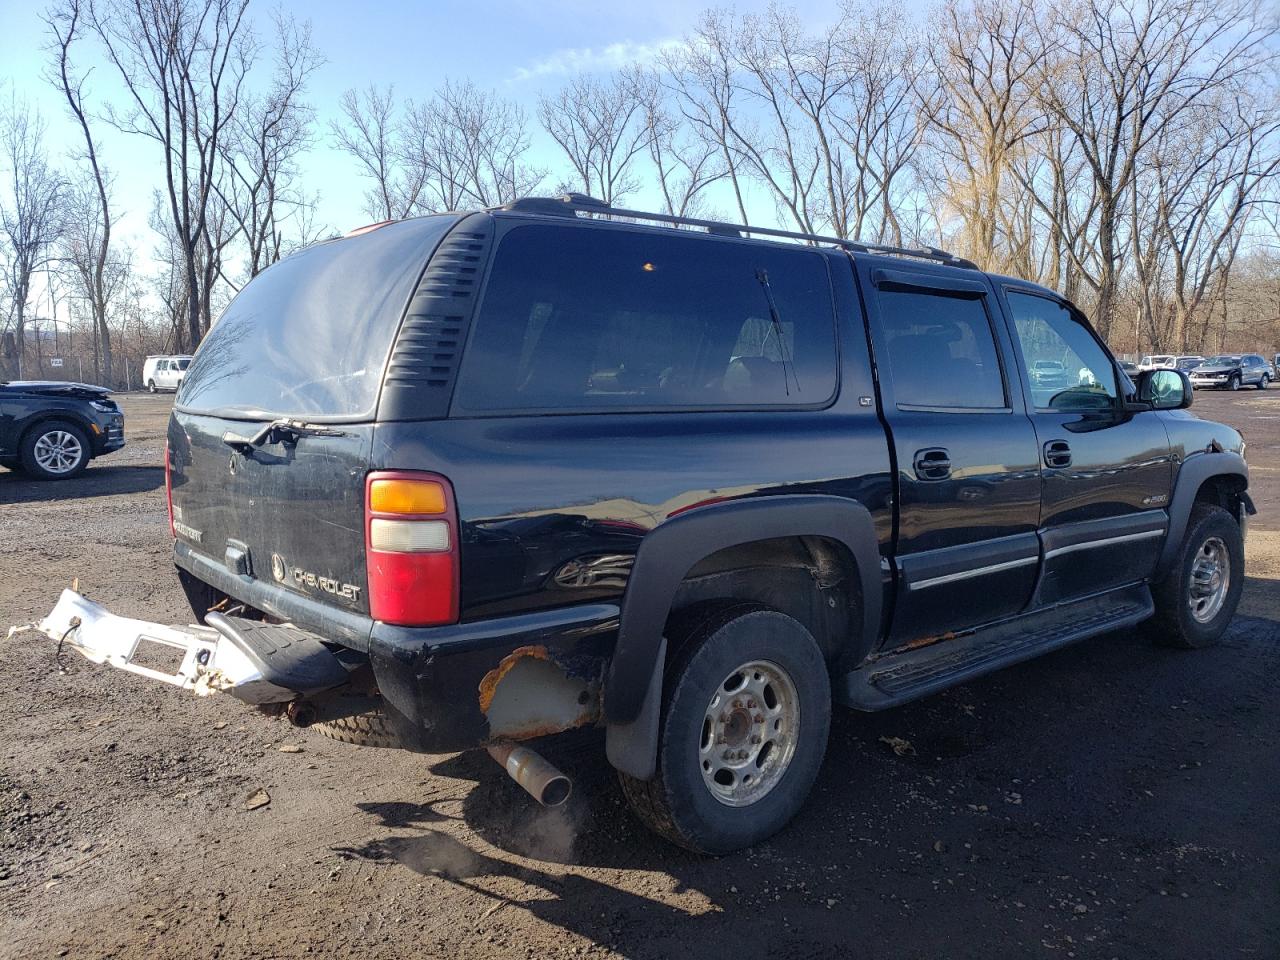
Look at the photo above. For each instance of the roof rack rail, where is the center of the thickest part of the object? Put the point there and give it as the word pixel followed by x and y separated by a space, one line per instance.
pixel 571 204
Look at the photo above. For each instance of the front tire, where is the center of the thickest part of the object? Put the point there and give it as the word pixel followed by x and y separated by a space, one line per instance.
pixel 1262 384
pixel 151 386
pixel 1233 383
pixel 54 450
pixel 745 716
pixel 1198 598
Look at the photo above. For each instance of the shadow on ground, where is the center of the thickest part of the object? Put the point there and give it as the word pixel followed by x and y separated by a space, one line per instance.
pixel 96 481
pixel 1101 799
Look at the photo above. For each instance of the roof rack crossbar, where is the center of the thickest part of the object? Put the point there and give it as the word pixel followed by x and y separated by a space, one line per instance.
pixel 570 204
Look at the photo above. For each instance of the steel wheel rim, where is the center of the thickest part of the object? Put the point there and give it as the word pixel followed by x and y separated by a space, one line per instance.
pixel 749 733
pixel 58 451
pixel 1210 580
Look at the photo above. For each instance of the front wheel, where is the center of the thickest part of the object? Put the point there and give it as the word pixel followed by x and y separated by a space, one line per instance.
pixel 745 715
pixel 1262 384
pixel 54 450
pixel 1198 598
pixel 1233 383
pixel 151 386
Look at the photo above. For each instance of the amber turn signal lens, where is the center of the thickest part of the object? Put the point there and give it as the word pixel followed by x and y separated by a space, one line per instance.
pixel 407 497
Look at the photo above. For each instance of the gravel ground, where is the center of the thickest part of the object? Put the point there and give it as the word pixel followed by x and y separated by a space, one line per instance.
pixel 1109 800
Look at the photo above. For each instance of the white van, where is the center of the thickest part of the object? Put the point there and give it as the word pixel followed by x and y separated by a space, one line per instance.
pixel 164 373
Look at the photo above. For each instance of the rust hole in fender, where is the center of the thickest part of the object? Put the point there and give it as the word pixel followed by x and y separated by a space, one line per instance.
pixel 531 694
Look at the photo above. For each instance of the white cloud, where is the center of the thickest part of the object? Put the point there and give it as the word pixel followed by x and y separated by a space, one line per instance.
pixel 587 59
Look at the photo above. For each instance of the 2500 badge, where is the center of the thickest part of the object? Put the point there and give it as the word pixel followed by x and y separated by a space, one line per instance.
pixel 305 578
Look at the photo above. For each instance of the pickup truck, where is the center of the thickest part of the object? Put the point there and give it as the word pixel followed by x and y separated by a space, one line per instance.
pixel 469 480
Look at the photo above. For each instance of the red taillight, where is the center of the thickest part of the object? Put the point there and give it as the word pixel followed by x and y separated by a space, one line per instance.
pixel 411 557
pixel 168 490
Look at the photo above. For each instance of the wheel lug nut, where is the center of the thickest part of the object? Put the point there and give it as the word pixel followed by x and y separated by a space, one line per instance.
pixel 751 704
pixel 755 739
pixel 758 718
pixel 738 704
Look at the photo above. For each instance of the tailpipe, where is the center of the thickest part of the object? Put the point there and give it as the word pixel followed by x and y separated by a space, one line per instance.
pixel 539 778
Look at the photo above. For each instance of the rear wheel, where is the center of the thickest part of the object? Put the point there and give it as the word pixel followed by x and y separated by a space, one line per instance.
pixel 745 715
pixel 54 450
pixel 1198 598
pixel 371 729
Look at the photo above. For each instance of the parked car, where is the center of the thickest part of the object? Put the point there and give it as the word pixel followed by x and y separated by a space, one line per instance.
pixel 1049 375
pixel 1128 366
pixel 51 430
pixel 1161 361
pixel 1233 371
pixel 468 480
pixel 164 373
pixel 1188 363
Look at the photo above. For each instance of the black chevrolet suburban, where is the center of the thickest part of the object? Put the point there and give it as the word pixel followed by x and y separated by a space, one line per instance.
pixel 470 480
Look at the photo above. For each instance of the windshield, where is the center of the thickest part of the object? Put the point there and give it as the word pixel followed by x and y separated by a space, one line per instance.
pixel 1222 361
pixel 309 337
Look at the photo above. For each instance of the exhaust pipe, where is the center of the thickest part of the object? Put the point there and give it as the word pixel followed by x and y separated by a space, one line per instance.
pixel 539 778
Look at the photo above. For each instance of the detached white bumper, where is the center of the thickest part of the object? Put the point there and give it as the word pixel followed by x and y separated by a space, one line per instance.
pixel 205 660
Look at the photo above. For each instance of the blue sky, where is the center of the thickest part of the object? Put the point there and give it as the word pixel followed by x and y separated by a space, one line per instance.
pixel 518 49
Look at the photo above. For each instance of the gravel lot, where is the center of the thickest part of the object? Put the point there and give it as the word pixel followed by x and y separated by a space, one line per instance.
pixel 1110 800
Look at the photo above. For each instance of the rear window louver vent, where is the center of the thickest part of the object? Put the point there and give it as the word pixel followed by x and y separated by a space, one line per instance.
pixel 424 360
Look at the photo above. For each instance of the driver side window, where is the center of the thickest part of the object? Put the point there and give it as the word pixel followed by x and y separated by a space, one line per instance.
pixel 1069 370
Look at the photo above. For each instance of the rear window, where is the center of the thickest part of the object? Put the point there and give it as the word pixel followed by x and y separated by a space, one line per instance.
pixel 310 336
pixel 582 319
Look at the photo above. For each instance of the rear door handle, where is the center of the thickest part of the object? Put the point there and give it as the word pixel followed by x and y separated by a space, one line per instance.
pixel 1057 453
pixel 932 464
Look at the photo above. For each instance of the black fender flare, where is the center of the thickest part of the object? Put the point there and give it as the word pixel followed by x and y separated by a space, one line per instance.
pixel 1194 472
pixel 633 685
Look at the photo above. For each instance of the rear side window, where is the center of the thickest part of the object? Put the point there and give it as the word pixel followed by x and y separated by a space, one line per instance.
pixel 941 350
pixel 580 319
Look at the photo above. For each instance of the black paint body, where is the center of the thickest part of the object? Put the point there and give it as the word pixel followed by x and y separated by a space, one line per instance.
pixel 537 494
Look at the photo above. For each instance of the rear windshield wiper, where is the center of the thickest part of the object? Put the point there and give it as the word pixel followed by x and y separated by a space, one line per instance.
pixel 283 430
pixel 787 366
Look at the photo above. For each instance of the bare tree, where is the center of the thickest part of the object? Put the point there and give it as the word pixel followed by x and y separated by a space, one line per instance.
pixel 685 164
pixel 1129 69
pixel 90 240
pixel 471 147
pixel 183 65
pixel 599 124
pixel 266 138
pixel 977 99
pixel 372 135
pixel 31 211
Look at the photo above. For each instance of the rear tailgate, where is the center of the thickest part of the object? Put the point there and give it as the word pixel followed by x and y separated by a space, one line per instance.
pixel 264 513
pixel 290 514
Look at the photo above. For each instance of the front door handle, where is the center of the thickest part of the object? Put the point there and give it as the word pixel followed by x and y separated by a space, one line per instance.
pixel 932 464
pixel 1057 453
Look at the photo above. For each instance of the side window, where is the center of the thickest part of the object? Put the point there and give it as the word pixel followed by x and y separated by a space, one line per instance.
pixel 583 319
pixel 1068 368
pixel 941 350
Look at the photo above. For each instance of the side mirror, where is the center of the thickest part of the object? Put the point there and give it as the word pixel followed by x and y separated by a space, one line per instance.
pixel 1165 389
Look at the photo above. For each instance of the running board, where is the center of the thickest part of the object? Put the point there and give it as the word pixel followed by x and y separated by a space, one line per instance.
pixel 901 677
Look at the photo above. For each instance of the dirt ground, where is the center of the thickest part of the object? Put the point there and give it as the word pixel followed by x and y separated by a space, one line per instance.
pixel 1110 800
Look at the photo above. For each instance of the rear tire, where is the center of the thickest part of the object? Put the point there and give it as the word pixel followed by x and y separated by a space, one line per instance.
pixel 1196 601
pixel 721 786
pixel 54 450
pixel 371 729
